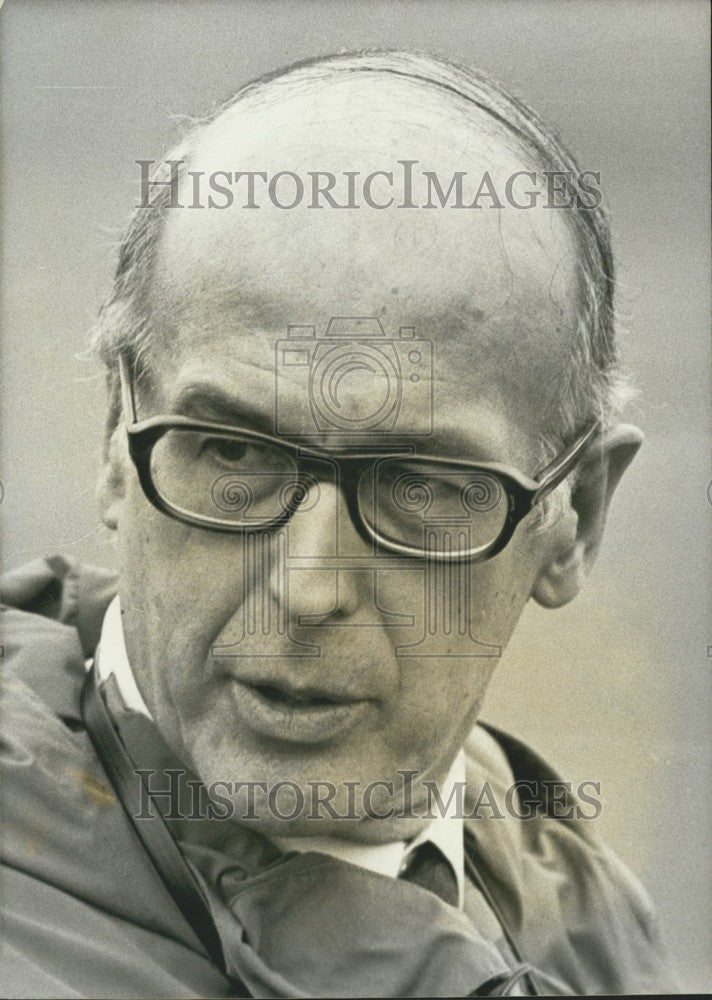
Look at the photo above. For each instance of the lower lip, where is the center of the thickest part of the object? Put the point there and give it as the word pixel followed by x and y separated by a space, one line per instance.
pixel 295 723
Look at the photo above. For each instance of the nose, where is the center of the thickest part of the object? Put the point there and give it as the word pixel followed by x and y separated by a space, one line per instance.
pixel 326 580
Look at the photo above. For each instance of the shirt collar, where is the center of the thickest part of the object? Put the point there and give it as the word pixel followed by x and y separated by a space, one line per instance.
pixel 112 658
pixel 445 831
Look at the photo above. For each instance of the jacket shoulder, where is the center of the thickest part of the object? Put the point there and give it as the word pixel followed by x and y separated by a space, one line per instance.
pixel 581 915
pixel 52 612
pixel 62 590
pixel 82 903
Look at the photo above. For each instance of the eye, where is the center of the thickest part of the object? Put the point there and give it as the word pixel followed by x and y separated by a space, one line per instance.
pixel 226 451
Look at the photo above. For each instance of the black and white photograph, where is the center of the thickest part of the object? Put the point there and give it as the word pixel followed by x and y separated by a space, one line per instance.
pixel 356 498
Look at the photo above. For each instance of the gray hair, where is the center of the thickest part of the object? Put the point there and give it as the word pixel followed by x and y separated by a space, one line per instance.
pixel 594 385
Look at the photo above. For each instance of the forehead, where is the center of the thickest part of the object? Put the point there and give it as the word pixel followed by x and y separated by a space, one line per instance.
pixel 493 289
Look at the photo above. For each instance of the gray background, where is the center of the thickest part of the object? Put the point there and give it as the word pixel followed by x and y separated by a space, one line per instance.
pixel 615 688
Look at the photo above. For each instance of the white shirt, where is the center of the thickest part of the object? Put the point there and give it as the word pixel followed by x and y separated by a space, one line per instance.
pixel 445 831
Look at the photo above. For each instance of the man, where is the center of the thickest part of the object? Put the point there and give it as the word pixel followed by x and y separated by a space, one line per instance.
pixel 363 407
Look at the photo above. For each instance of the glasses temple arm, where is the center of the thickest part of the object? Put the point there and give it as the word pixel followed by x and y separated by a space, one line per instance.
pixel 127 389
pixel 555 473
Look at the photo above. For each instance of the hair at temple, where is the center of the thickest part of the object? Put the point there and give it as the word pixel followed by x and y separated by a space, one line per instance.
pixel 595 386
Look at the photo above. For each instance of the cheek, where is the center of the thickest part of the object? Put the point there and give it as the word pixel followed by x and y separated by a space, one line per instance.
pixel 502 586
pixel 439 705
pixel 440 696
pixel 180 588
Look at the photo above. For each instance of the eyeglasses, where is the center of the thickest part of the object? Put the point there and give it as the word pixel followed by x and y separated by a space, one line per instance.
pixel 222 478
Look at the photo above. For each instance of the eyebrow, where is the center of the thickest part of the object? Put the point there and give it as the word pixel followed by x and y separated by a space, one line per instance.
pixel 210 402
pixel 206 401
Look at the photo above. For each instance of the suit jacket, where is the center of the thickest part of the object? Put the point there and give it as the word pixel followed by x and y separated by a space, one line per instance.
pixel 86 914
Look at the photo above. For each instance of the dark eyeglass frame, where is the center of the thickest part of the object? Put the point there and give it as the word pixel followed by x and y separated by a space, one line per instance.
pixel 523 492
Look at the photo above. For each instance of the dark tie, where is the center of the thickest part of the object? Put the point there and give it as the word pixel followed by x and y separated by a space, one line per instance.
pixel 429 869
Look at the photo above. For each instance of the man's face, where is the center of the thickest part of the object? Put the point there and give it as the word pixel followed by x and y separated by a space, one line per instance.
pixel 290 655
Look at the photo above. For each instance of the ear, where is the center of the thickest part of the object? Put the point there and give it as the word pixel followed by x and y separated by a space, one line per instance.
pixel 577 538
pixel 111 486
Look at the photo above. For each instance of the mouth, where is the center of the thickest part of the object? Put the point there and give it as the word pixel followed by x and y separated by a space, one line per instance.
pixel 293 715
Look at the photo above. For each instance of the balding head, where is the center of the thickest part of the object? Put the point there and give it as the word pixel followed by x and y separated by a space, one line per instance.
pixel 364 113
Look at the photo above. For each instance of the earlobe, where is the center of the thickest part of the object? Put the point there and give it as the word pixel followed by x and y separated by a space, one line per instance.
pixel 570 558
pixel 111 485
pixel 561 579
